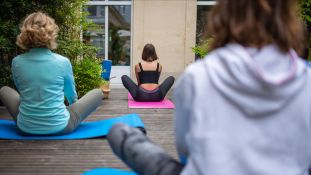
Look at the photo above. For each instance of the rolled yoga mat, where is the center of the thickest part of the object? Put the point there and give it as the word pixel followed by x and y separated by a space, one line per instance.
pixel 86 130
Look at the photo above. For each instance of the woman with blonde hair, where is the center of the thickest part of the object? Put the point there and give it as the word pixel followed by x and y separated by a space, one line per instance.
pixel 245 108
pixel 43 79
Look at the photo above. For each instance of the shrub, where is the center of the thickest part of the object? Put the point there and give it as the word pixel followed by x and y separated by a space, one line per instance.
pixel 6 76
pixel 69 18
pixel 87 75
pixel 305 11
pixel 202 49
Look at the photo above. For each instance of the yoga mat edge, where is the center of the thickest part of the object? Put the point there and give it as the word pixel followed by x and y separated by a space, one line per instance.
pixel 86 130
pixel 107 171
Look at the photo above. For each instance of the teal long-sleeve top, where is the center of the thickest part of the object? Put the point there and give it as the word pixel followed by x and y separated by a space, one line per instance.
pixel 43 79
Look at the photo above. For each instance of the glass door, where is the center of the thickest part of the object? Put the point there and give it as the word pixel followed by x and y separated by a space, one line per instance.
pixel 113 37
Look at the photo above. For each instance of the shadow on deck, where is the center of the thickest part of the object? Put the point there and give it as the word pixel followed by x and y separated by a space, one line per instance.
pixel 76 156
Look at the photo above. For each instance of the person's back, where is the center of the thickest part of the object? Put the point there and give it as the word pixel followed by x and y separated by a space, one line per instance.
pixel 147 74
pixel 245 108
pixel 43 80
pixel 40 78
pixel 249 114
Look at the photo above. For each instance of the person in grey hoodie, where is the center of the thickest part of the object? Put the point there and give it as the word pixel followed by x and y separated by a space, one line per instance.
pixel 245 108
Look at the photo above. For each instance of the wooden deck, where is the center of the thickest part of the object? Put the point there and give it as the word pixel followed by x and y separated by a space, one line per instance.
pixel 76 156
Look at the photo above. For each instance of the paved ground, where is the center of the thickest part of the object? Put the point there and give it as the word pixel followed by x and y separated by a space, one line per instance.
pixel 76 156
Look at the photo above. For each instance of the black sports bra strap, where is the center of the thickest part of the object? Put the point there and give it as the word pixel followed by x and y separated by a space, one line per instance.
pixel 158 67
pixel 140 66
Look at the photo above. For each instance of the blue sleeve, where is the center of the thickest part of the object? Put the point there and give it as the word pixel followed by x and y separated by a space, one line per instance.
pixel 69 85
pixel 183 97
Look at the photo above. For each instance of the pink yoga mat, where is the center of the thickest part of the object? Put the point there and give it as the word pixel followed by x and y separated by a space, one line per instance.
pixel 165 104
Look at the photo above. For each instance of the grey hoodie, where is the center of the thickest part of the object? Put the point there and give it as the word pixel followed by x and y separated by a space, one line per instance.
pixel 244 111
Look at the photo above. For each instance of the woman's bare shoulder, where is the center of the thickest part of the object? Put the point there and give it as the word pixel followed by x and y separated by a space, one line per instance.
pixel 160 67
pixel 137 68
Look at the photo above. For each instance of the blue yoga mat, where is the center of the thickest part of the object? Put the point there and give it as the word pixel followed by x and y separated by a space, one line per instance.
pixel 86 129
pixel 108 171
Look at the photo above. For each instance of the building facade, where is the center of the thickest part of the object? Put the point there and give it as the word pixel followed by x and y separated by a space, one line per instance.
pixel 125 26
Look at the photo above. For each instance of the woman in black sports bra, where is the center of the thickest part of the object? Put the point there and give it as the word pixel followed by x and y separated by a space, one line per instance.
pixel 148 73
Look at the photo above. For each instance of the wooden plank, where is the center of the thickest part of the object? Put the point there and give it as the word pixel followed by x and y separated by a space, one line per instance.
pixel 67 157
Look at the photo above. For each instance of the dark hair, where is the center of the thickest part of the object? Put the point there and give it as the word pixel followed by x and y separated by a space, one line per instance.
pixel 256 23
pixel 149 53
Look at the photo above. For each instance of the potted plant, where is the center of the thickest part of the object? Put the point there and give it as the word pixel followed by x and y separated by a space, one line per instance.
pixel 105 87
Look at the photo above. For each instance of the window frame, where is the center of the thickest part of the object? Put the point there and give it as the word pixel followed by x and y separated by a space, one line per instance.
pixel 106 4
pixel 210 3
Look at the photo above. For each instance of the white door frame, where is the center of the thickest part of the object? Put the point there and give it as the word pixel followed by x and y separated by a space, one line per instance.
pixel 117 71
pixel 206 2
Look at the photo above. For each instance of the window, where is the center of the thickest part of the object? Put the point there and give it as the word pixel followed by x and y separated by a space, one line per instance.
pixel 203 6
pixel 206 2
pixel 113 36
pixel 119 35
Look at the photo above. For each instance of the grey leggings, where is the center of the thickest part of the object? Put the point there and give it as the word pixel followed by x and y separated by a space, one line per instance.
pixel 78 110
pixel 139 153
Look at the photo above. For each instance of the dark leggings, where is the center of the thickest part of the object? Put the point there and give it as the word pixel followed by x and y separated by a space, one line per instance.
pixel 140 94
pixel 139 153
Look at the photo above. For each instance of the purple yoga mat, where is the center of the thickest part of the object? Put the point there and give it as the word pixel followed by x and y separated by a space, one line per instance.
pixel 165 104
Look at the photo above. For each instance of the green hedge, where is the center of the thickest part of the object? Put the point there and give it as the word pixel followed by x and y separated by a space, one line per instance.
pixel 6 76
pixel 305 11
pixel 87 75
pixel 70 18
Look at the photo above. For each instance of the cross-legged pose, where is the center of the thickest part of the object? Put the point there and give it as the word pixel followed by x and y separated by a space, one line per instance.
pixel 148 73
pixel 43 79
pixel 245 108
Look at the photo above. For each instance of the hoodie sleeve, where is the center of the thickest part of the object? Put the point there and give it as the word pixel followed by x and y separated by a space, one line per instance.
pixel 183 97
pixel 69 85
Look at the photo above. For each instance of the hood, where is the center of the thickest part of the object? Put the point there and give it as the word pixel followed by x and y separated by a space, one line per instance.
pixel 258 81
